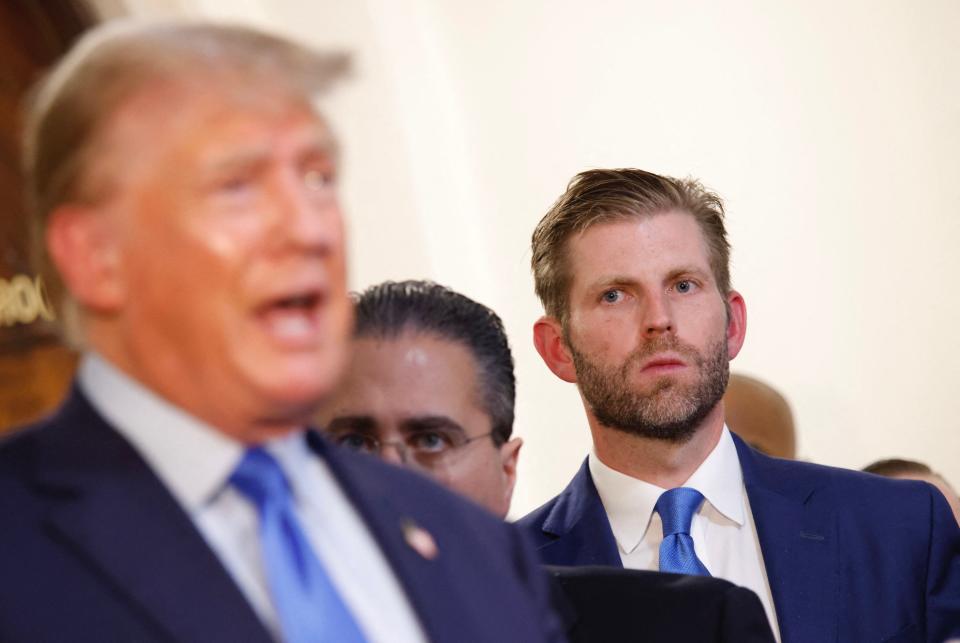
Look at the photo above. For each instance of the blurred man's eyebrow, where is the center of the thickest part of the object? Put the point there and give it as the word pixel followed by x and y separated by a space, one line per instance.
pixel 423 423
pixel 240 160
pixel 358 423
pixel 249 157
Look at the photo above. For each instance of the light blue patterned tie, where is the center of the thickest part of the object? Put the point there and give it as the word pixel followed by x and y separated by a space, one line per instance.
pixel 676 508
pixel 308 605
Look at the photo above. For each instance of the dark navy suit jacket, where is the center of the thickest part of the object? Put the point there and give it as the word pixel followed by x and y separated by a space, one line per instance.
pixel 850 557
pixel 94 548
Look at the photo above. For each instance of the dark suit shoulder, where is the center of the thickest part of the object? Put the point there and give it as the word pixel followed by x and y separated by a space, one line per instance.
pixel 57 435
pixel 21 440
pixel 16 449
pixel 874 494
pixel 18 505
pixel 898 542
pixel 20 453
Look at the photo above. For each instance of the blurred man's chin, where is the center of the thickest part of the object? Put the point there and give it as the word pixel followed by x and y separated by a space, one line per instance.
pixel 300 385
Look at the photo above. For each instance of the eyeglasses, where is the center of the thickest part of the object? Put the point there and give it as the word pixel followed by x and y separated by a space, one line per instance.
pixel 428 449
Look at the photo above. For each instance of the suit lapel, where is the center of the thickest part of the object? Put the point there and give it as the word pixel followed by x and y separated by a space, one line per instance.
pixel 110 510
pixel 443 610
pixel 580 526
pixel 798 539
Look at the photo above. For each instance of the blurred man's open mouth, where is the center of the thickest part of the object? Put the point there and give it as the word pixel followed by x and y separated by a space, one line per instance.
pixel 294 320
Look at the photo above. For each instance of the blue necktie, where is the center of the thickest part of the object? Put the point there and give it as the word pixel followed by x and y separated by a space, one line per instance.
pixel 308 605
pixel 676 508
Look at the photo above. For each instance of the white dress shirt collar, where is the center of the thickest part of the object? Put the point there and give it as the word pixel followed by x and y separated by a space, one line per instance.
pixel 629 502
pixel 192 459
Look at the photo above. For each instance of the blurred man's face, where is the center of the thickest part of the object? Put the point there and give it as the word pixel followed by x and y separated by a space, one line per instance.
pixel 417 397
pixel 647 329
pixel 230 288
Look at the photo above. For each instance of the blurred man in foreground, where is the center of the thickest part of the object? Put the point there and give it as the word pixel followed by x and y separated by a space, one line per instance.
pixel 913 470
pixel 432 387
pixel 186 188
pixel 633 271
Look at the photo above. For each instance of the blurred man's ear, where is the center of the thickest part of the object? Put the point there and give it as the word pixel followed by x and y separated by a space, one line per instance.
pixel 509 453
pixel 548 340
pixel 86 252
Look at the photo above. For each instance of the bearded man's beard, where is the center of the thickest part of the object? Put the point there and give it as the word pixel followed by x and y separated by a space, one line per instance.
pixel 667 409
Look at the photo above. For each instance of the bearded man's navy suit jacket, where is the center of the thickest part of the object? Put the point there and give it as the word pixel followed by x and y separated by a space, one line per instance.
pixel 93 547
pixel 850 557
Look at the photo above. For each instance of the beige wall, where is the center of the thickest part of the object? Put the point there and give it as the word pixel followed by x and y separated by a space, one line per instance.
pixel 831 128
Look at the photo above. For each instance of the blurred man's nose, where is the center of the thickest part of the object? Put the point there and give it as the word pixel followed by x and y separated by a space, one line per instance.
pixel 310 212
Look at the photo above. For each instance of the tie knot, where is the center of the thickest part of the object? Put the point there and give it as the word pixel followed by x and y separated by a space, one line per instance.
pixel 676 508
pixel 260 478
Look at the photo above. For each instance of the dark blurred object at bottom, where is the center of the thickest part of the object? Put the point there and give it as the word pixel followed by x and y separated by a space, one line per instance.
pixel 609 604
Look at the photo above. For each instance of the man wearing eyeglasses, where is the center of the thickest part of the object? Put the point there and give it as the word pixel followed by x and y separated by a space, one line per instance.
pixel 431 386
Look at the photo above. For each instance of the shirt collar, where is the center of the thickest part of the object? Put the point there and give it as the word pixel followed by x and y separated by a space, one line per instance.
pixel 720 479
pixel 191 458
pixel 629 502
pixel 293 454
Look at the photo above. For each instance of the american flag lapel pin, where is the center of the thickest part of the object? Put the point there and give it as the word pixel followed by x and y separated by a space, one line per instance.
pixel 419 539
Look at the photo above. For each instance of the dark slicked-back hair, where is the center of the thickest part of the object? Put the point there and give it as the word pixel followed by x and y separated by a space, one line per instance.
pixel 601 196
pixel 390 309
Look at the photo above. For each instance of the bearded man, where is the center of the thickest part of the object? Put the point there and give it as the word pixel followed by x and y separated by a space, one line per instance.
pixel 633 271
